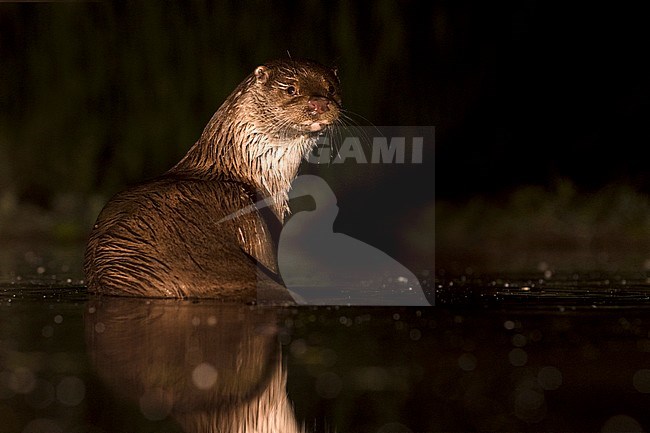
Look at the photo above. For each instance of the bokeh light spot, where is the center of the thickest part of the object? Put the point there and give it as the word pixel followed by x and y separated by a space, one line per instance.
pixel 204 376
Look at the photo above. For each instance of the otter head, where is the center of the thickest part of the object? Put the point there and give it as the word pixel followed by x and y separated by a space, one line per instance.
pixel 298 97
pixel 267 125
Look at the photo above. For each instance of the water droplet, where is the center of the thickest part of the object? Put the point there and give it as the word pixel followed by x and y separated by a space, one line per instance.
pixel 518 357
pixel 641 380
pixel 467 362
pixel 519 340
pixel 22 380
pixel 204 376
pixel 415 334
pixel 529 405
pixel 298 347
pixel 620 423
pixel 549 378
pixel 47 331
pixel 70 391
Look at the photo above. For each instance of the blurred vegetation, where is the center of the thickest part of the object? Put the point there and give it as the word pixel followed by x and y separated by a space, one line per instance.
pixel 98 95
pixel 537 228
pixel 95 96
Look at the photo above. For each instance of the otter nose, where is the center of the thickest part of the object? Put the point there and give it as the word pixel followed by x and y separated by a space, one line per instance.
pixel 318 104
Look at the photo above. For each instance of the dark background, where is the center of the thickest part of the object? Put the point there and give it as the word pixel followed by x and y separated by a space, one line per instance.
pixel 97 96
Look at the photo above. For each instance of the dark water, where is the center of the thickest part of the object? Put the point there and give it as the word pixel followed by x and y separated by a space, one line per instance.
pixel 571 353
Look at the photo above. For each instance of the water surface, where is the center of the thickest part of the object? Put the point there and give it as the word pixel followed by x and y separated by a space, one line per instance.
pixel 512 352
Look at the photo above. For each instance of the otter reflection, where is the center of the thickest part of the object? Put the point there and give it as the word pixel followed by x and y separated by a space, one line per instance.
pixel 211 367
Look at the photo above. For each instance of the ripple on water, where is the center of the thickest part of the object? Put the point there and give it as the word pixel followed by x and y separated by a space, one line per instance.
pixel 564 291
pixel 43 291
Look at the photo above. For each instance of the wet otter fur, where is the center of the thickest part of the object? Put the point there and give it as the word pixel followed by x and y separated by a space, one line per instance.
pixel 173 237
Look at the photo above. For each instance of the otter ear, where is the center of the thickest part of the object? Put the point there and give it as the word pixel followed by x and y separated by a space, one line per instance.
pixel 262 74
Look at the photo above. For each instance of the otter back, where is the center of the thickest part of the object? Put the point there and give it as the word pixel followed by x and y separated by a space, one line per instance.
pixel 165 239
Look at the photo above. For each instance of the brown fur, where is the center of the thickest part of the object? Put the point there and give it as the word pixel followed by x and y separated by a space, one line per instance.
pixel 166 237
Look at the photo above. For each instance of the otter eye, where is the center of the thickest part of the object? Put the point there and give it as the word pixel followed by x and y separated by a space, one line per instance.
pixel 291 90
pixel 331 89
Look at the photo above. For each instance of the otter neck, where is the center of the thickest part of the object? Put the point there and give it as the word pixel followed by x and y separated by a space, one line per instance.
pixel 243 151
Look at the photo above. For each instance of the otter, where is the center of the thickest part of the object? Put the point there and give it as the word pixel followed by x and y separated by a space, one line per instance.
pixel 183 235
